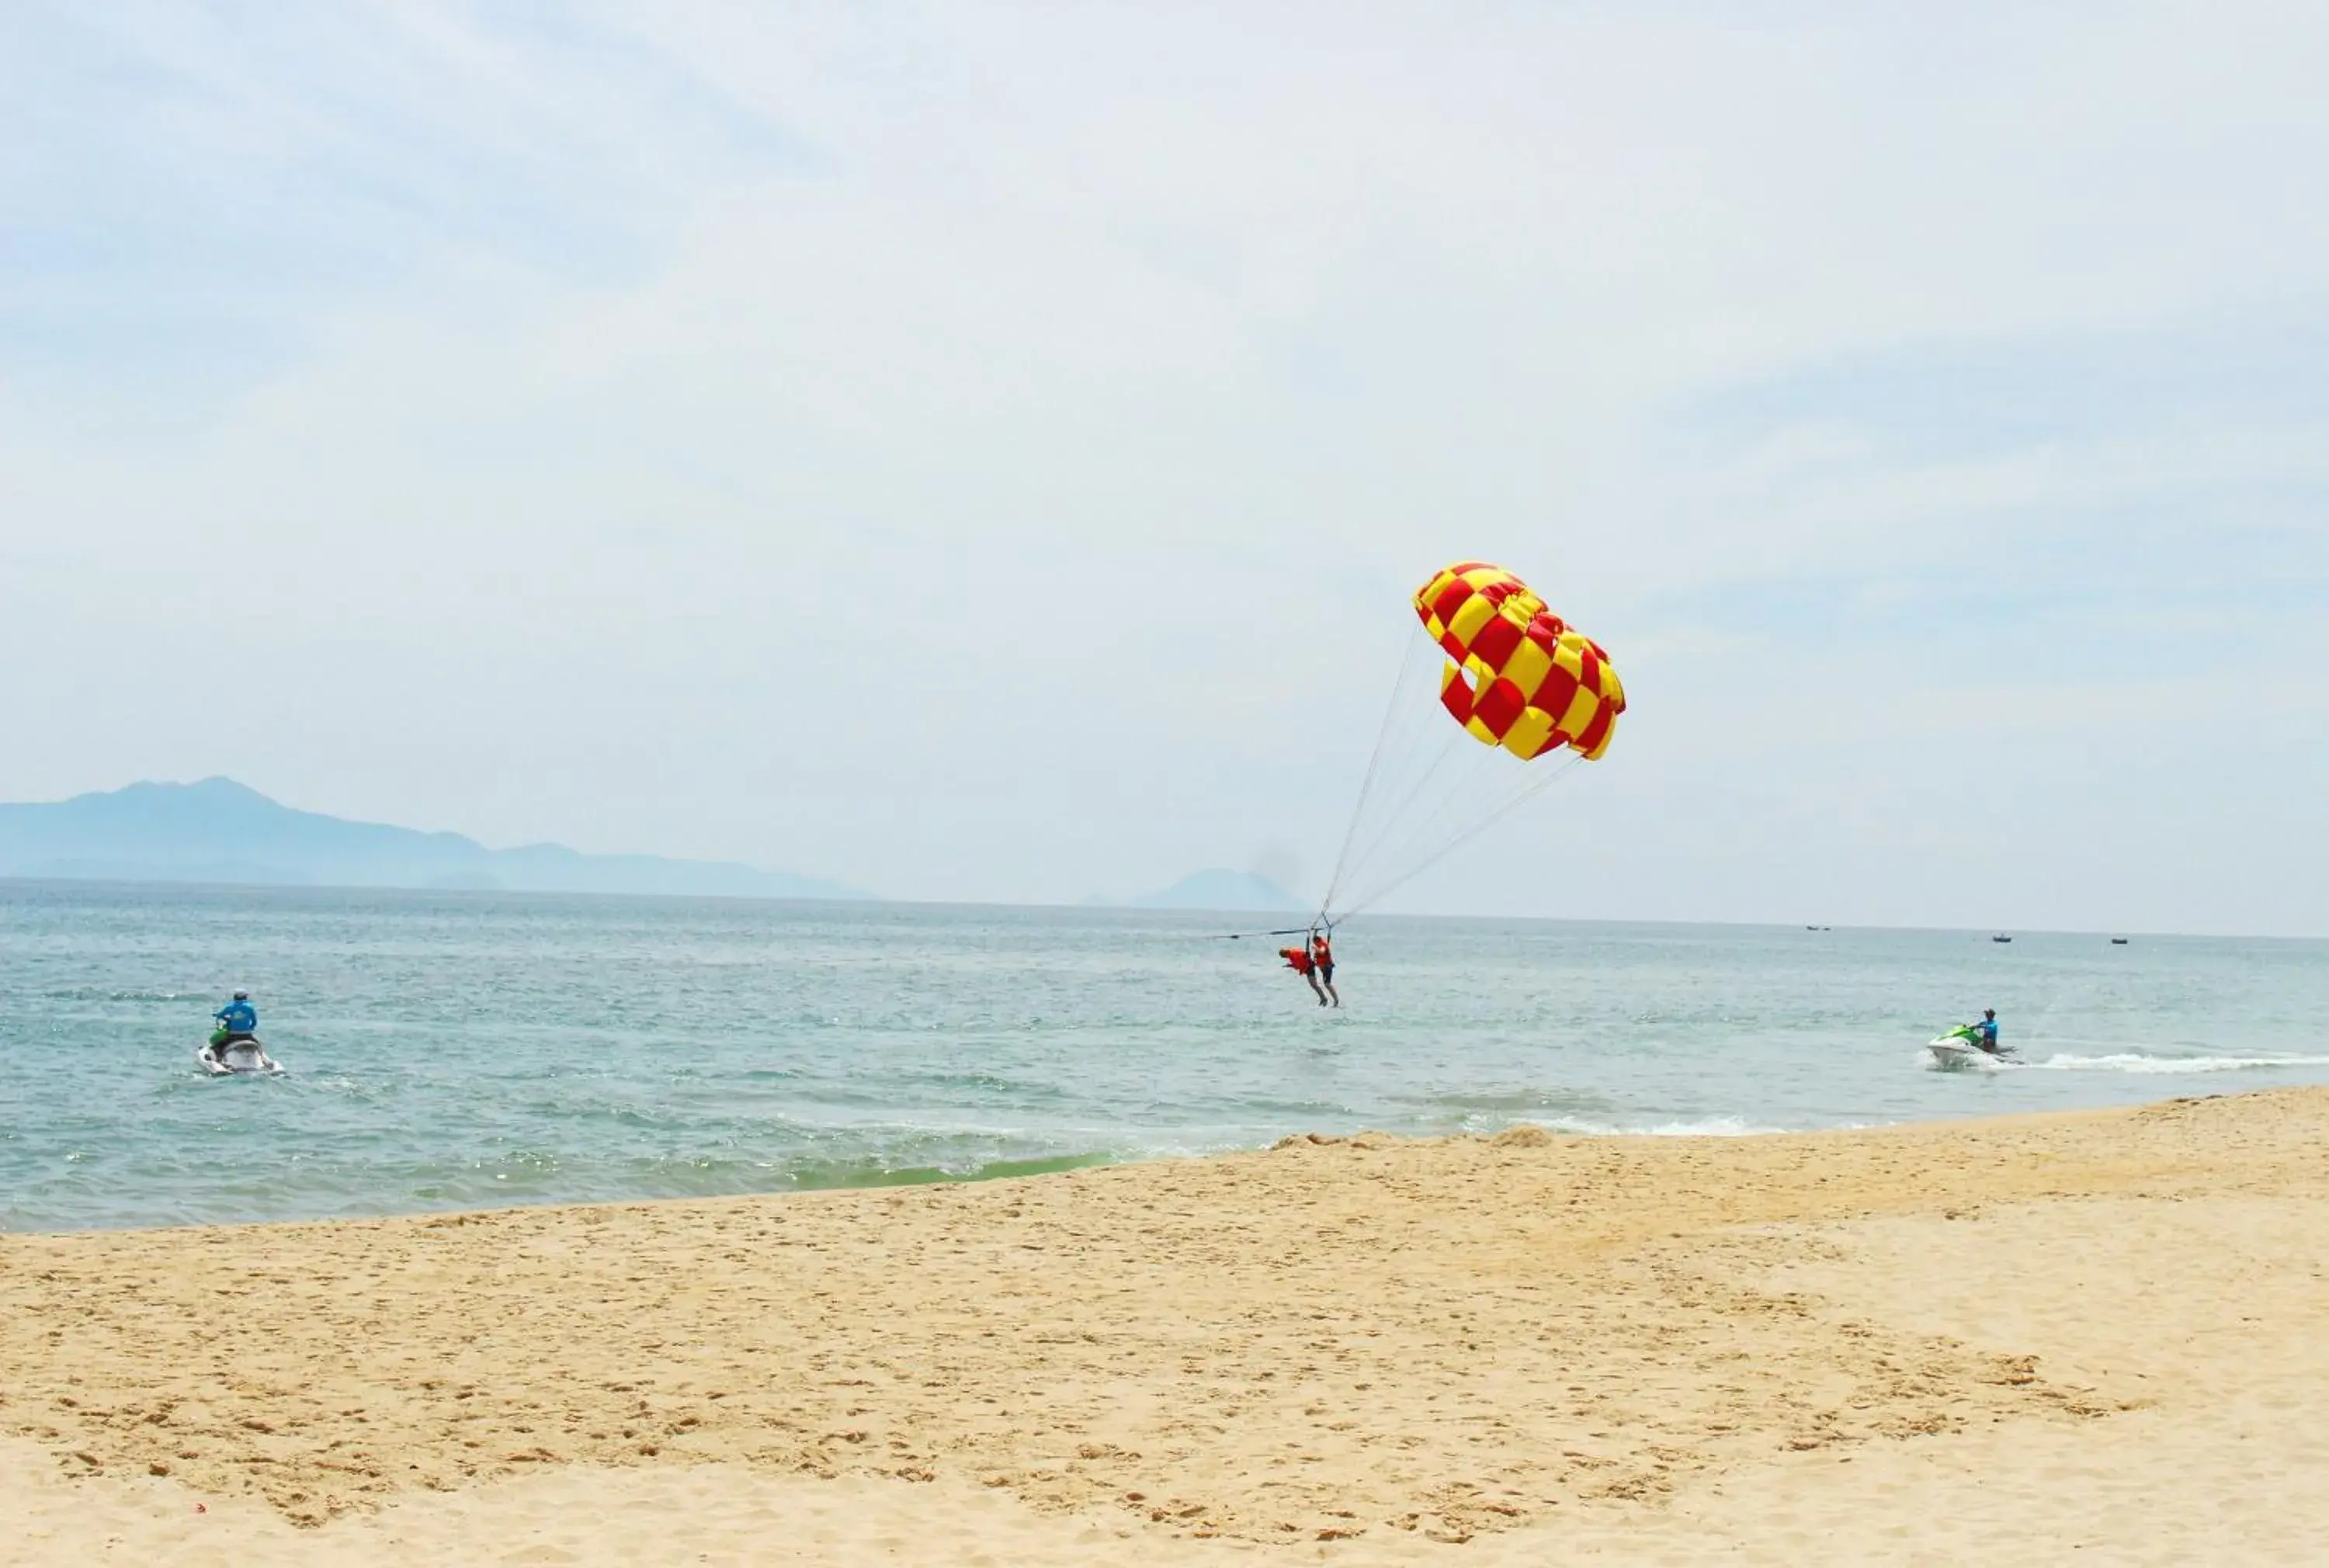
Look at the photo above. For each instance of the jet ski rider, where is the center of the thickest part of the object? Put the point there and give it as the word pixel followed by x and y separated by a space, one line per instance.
pixel 237 1020
pixel 1986 1032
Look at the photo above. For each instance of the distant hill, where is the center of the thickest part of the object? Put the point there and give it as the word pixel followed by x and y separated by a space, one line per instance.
pixel 1219 889
pixel 219 830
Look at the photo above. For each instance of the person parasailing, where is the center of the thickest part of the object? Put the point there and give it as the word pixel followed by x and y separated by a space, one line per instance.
pixel 1299 960
pixel 1322 960
pixel 1528 695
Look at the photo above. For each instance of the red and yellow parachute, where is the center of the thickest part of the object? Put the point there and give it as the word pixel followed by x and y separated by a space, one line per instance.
pixel 1520 678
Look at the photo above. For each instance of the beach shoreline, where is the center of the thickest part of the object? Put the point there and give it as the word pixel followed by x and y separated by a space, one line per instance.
pixel 2095 1326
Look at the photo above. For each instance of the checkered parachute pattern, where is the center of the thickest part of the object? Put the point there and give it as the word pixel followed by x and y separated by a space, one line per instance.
pixel 1520 679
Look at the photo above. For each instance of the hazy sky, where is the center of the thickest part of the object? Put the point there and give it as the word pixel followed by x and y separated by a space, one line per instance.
pixel 983 452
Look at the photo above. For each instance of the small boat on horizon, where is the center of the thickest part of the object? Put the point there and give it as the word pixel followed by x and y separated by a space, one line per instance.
pixel 2119 941
pixel 2001 939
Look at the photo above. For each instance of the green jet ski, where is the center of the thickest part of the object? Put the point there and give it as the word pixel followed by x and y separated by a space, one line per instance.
pixel 1962 1048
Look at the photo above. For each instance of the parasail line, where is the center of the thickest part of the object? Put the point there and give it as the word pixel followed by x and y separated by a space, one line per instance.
pixel 1535 787
pixel 1374 765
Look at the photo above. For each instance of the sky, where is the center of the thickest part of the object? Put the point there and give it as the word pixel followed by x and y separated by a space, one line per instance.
pixel 983 452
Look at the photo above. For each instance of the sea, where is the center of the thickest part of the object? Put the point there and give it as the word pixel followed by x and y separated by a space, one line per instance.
pixel 467 1050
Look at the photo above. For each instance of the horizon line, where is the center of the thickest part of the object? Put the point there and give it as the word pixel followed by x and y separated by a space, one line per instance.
pixel 1988 932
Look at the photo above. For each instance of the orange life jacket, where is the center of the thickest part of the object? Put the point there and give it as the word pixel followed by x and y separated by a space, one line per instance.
pixel 1295 958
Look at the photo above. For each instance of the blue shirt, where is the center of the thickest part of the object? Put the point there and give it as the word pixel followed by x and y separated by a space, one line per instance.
pixel 239 1016
pixel 1987 1029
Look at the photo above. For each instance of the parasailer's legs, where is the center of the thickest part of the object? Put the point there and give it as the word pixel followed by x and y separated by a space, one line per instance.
pixel 1325 975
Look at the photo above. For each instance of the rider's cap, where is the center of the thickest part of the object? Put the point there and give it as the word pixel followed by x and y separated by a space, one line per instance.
pixel 243 996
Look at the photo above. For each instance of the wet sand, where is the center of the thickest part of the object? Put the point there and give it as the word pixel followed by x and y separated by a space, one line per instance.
pixel 2093 1336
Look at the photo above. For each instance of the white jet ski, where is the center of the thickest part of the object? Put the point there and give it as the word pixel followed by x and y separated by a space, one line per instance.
pixel 1959 1050
pixel 240 1056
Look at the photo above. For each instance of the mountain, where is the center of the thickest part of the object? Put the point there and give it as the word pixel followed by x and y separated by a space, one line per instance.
pixel 219 830
pixel 1216 889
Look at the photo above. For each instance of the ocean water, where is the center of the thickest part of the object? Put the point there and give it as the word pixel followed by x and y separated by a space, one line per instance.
pixel 465 1050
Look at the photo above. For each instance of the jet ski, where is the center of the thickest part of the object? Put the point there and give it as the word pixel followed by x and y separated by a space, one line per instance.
pixel 1961 1048
pixel 235 1056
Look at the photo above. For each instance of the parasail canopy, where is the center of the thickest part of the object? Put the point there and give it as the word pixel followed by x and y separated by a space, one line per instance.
pixel 1520 682
pixel 1519 676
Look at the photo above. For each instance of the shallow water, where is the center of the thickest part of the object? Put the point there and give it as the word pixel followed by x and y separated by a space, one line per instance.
pixel 460 1051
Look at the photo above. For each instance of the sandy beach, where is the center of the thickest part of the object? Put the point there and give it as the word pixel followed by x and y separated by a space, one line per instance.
pixel 2081 1338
